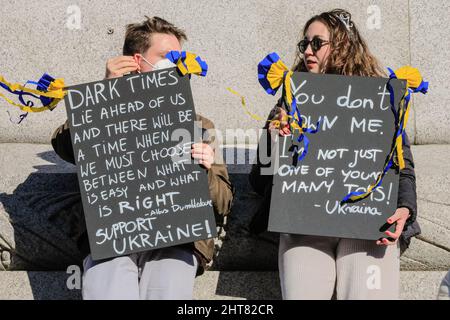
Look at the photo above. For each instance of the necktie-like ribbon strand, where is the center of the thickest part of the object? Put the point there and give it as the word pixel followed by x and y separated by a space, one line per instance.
pixel 49 91
pixel 244 105
pixel 414 84
pixel 188 63
pixel 272 74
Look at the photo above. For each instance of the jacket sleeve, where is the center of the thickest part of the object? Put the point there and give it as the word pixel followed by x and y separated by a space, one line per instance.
pixel 259 181
pixel 62 143
pixel 220 188
pixel 407 196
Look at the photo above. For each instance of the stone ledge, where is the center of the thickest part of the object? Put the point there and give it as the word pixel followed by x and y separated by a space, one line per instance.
pixel 34 241
pixel 213 285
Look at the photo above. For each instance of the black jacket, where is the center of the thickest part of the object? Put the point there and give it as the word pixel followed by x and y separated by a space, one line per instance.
pixel 407 197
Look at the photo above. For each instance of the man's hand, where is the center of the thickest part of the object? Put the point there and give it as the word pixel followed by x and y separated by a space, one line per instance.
pixel 203 153
pixel 118 66
pixel 400 216
pixel 282 117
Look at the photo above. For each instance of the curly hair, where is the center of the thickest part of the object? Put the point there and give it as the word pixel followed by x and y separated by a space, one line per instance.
pixel 349 52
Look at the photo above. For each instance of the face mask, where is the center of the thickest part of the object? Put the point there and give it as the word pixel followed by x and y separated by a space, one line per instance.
pixel 161 64
pixel 164 64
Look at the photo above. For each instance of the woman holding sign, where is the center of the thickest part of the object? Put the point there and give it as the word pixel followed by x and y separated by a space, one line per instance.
pixel 315 267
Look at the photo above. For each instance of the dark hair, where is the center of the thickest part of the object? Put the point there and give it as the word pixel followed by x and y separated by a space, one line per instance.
pixel 349 52
pixel 138 36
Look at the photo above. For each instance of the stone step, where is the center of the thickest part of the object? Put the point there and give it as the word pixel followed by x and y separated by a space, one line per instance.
pixel 34 196
pixel 213 285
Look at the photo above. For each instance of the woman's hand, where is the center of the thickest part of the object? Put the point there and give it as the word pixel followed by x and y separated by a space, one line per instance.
pixel 204 154
pixel 400 216
pixel 282 117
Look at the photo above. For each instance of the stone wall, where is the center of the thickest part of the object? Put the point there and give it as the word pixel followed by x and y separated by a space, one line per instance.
pixel 232 36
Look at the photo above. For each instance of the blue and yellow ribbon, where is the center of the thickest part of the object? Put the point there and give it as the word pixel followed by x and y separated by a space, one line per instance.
pixel 49 91
pixel 414 84
pixel 272 74
pixel 188 63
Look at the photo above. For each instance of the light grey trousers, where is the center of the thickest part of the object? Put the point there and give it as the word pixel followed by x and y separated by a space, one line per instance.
pixel 161 274
pixel 320 268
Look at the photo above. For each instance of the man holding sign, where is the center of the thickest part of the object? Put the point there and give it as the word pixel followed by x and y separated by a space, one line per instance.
pixel 138 215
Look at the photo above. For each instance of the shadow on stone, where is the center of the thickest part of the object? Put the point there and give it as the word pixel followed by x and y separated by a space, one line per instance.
pixel 34 224
pixel 36 220
pixel 241 250
pixel 249 285
pixel 51 286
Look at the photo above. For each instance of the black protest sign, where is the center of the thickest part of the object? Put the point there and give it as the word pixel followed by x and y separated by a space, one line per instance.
pixel 356 132
pixel 132 139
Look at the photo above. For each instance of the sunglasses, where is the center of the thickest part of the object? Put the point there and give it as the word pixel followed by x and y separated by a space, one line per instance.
pixel 316 44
